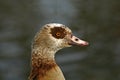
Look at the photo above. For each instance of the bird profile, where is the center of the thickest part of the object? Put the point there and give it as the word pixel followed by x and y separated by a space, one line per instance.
pixel 51 38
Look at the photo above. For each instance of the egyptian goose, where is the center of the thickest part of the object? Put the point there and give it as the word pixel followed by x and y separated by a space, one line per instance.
pixel 51 38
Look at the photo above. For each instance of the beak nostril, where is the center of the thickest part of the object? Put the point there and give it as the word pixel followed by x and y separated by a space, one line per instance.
pixel 76 39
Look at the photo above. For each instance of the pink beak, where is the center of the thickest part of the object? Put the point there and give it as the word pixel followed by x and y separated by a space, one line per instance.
pixel 76 41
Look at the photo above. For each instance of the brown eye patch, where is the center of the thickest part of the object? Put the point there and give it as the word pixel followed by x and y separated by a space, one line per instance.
pixel 58 32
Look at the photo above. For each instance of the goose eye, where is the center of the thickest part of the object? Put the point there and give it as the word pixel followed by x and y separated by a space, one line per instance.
pixel 58 34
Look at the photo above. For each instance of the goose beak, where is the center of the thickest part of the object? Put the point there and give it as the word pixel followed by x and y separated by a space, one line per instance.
pixel 78 42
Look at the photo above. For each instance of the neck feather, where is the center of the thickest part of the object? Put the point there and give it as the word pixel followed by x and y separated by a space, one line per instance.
pixel 42 61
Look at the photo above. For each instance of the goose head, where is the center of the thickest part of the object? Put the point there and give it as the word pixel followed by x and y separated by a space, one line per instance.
pixel 51 38
pixel 56 36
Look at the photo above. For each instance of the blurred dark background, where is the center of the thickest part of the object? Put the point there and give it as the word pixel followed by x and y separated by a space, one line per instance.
pixel 96 21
